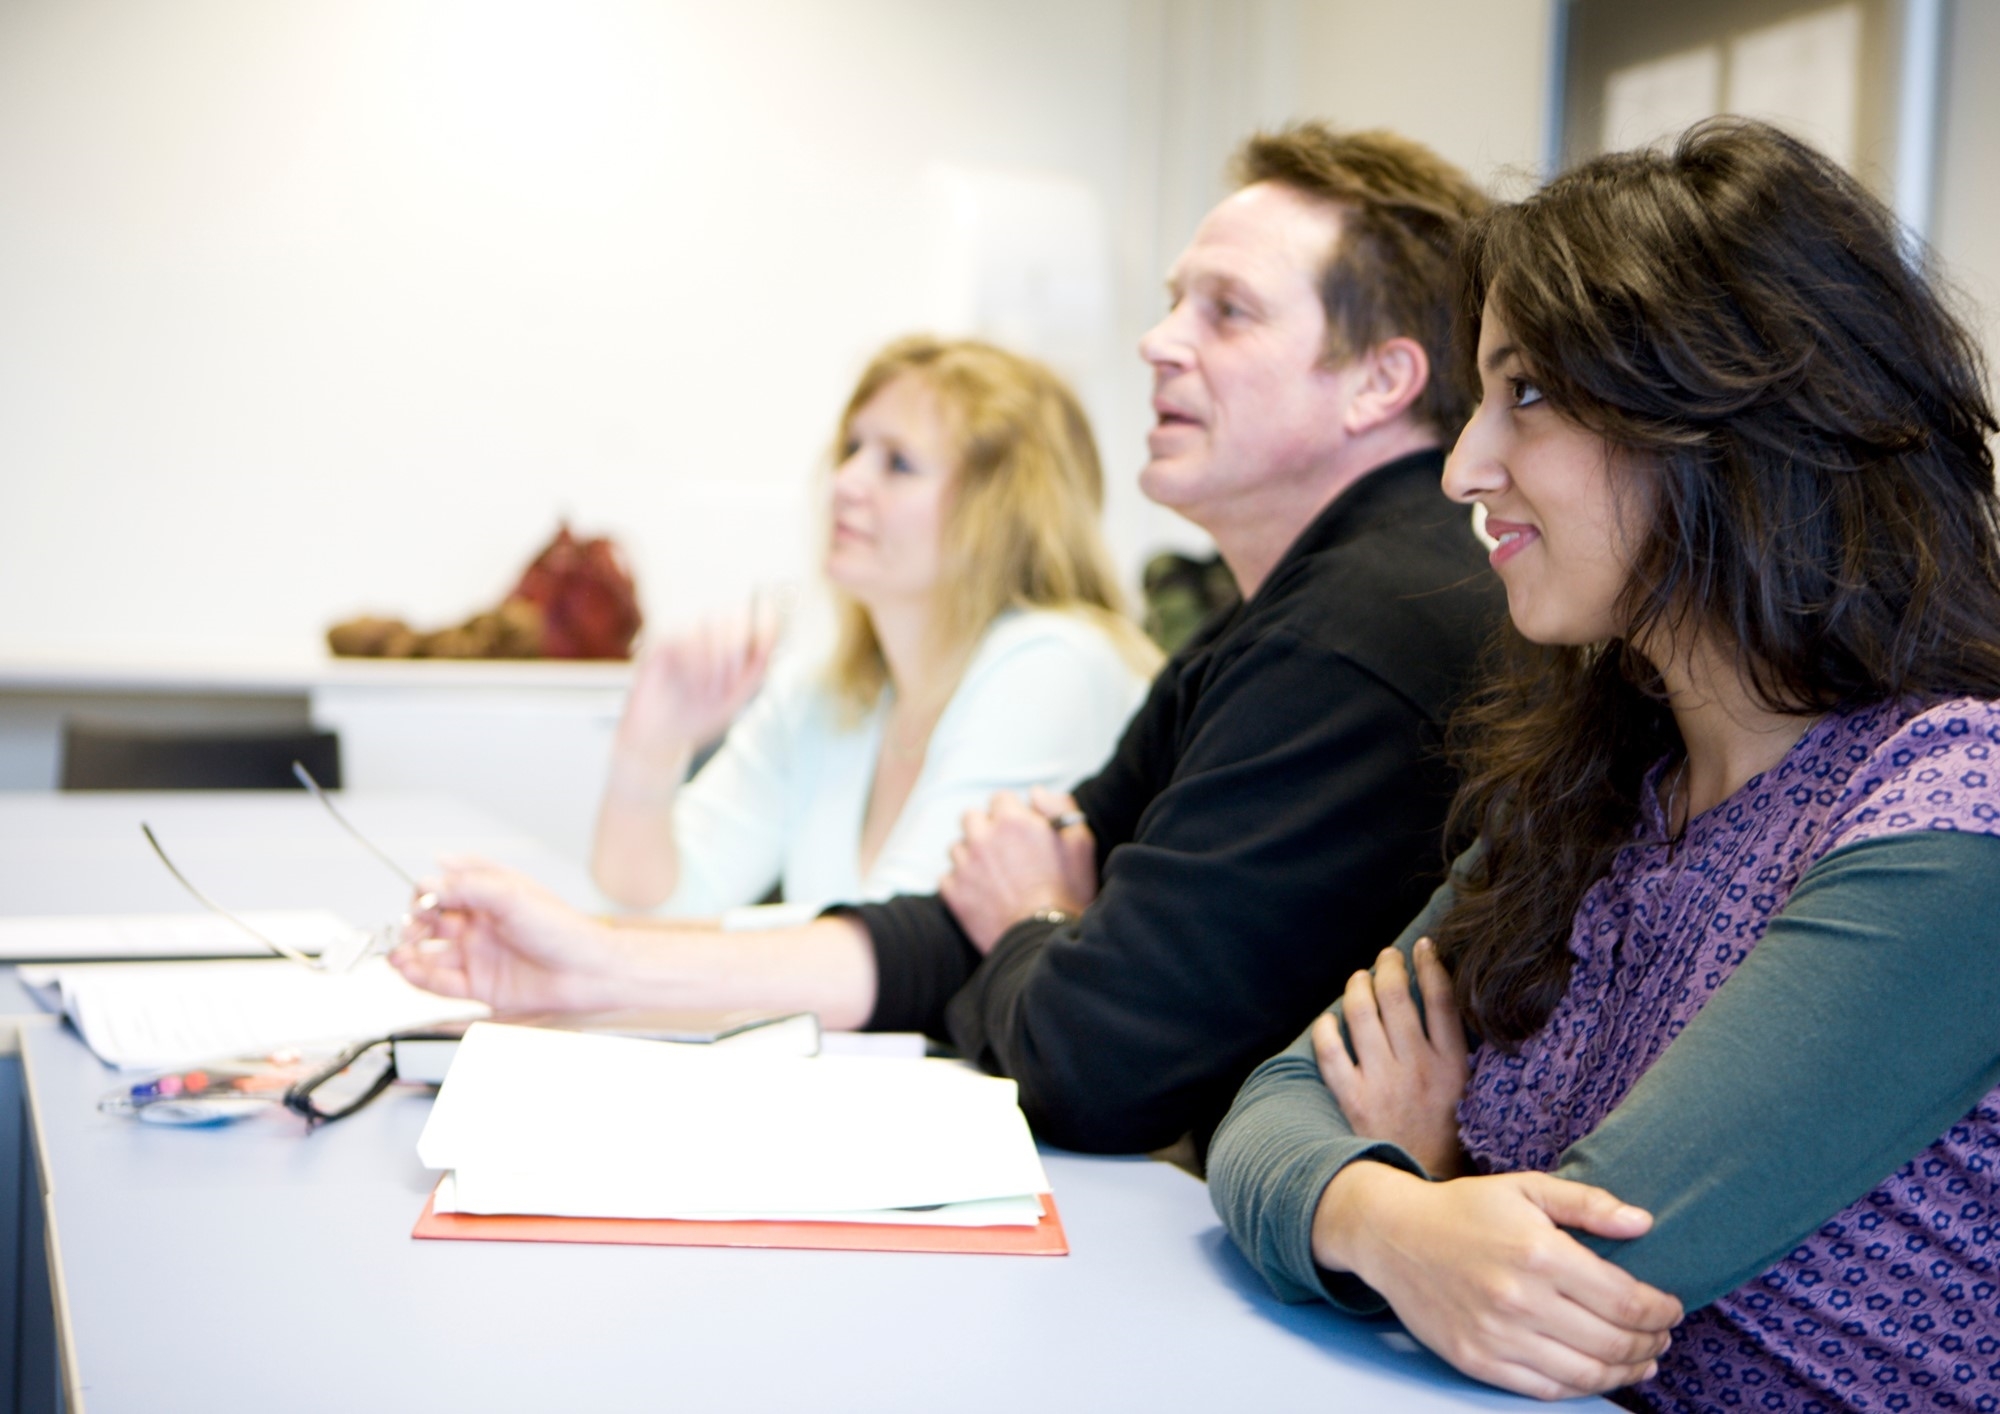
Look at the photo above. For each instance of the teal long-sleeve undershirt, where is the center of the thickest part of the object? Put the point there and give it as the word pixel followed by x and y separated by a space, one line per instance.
pixel 1857 1031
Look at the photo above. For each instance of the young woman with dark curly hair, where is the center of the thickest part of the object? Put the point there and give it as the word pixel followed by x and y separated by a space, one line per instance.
pixel 1708 1022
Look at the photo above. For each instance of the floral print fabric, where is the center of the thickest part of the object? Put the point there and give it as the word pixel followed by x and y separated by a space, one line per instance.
pixel 1894 1303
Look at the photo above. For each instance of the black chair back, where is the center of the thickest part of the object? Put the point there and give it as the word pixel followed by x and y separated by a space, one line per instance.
pixel 126 758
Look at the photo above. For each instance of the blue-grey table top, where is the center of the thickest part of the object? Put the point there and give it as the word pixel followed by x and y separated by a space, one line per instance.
pixel 257 1267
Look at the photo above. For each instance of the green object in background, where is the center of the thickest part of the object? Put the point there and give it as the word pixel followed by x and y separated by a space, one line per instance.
pixel 1181 593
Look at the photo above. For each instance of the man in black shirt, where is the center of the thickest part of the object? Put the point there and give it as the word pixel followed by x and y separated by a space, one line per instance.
pixel 1272 815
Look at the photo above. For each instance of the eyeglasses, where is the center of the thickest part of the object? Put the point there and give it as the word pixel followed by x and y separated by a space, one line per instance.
pixel 345 1083
pixel 340 956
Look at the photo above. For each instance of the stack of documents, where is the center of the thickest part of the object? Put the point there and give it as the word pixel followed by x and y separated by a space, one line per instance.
pixel 570 1125
pixel 162 1015
pixel 425 1056
pixel 140 935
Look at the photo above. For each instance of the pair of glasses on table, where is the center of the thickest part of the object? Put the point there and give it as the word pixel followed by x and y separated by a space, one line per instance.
pixel 344 1084
pixel 220 1091
pixel 360 1073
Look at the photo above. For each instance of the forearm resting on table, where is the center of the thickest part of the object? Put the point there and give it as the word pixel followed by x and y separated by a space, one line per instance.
pixel 1272 1163
pixel 825 967
pixel 1854 1033
pixel 1349 1212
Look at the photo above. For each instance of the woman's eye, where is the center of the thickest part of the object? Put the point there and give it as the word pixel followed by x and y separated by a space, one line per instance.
pixel 1522 393
pixel 849 447
pixel 900 463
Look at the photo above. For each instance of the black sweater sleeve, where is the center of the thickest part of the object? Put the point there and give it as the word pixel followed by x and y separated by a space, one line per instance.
pixel 1288 844
pixel 922 957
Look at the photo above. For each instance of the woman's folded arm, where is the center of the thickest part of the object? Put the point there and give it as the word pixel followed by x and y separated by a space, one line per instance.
pixel 1859 1029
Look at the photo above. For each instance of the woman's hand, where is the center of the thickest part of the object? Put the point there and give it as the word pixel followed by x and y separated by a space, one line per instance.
pixel 500 938
pixel 1407 1073
pixel 685 692
pixel 1480 1271
pixel 688 688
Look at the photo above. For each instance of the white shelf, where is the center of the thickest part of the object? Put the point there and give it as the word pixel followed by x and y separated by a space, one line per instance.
pixel 526 741
pixel 299 677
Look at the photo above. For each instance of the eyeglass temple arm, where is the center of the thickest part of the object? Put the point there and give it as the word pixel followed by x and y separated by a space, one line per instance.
pixel 305 779
pixel 213 907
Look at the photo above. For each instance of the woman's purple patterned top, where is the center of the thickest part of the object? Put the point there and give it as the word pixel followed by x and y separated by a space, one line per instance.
pixel 1894 1303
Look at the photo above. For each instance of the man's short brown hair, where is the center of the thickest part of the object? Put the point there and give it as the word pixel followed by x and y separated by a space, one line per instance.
pixel 1402 210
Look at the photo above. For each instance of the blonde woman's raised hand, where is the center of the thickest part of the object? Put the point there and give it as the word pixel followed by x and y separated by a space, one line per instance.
pixel 686 691
pixel 688 688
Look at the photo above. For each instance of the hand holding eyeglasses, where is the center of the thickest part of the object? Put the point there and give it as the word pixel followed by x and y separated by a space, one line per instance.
pixel 341 957
pixel 327 1092
pixel 491 934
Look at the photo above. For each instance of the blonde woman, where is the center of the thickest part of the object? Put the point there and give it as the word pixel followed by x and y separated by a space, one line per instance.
pixel 982 647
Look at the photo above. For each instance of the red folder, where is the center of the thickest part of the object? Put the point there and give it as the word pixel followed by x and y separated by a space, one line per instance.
pixel 1044 1239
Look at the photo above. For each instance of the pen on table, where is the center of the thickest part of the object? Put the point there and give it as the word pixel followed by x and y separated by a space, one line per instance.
pixel 199 1080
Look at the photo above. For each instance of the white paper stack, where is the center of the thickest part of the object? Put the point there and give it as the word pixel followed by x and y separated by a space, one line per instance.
pixel 561 1124
pixel 157 1015
pixel 148 935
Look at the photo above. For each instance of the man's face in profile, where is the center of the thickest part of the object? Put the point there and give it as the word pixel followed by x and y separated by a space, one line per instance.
pixel 1242 396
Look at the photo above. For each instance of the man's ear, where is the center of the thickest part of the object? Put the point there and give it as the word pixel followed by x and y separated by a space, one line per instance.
pixel 1394 374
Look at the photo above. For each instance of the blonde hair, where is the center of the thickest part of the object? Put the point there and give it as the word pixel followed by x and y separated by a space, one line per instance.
pixel 1021 524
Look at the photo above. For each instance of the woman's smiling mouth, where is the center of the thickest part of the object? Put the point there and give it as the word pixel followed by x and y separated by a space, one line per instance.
pixel 1513 538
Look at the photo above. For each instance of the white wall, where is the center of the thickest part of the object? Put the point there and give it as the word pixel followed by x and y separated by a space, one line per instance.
pixel 1966 228
pixel 1471 80
pixel 313 308
pixel 309 307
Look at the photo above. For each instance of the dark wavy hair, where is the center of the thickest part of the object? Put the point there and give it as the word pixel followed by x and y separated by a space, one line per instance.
pixel 1808 421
